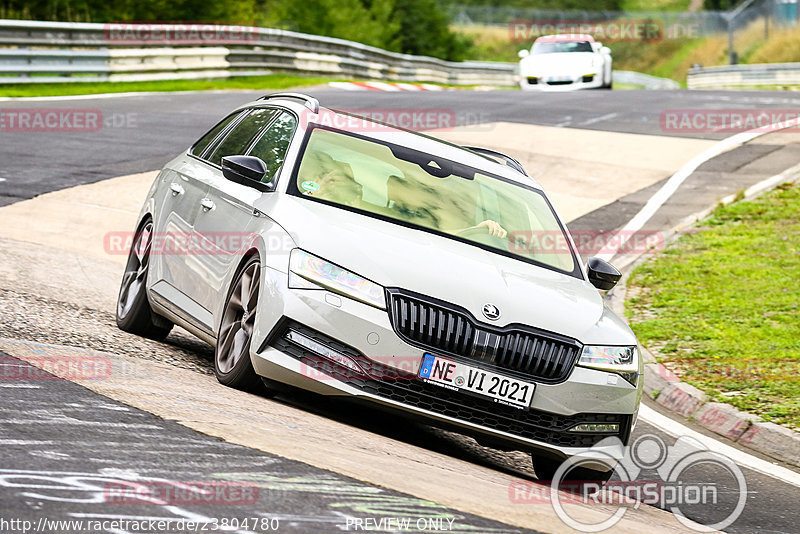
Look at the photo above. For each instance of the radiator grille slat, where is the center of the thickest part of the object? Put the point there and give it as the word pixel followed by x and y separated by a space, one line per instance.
pixel 445 329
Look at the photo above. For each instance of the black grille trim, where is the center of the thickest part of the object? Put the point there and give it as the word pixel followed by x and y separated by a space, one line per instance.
pixel 447 329
pixel 389 383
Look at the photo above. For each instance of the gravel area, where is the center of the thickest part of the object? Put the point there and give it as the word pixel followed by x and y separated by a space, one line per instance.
pixel 44 320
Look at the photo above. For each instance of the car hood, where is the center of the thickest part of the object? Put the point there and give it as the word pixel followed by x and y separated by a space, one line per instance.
pixel 468 276
pixel 578 63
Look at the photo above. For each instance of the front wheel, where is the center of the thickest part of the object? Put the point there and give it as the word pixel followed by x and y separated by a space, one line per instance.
pixel 134 313
pixel 545 469
pixel 232 364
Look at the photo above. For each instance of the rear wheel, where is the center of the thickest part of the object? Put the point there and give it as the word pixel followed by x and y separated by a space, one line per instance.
pixel 232 364
pixel 134 313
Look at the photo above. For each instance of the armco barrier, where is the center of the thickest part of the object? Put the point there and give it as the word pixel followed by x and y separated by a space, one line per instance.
pixel 95 52
pixel 775 74
pixel 38 52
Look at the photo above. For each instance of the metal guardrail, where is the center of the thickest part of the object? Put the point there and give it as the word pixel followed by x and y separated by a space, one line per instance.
pixel 73 52
pixel 775 74
pixel 644 80
pixel 38 52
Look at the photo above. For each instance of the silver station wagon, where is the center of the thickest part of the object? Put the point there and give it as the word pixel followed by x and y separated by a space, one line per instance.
pixel 328 252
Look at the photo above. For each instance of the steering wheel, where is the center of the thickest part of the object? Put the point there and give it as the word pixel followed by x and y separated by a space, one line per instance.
pixel 481 235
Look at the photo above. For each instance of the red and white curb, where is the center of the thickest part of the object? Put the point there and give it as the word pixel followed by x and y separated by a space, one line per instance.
pixel 383 86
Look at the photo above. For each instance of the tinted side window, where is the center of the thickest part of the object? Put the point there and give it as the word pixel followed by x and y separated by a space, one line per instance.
pixel 201 145
pixel 272 146
pixel 242 134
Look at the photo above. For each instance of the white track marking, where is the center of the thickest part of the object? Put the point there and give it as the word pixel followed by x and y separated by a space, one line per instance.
pixel 566 122
pixel 2 179
pixel 671 186
pixel 382 86
pixel 598 119
pixel 347 86
pixel 408 87
pixel 677 429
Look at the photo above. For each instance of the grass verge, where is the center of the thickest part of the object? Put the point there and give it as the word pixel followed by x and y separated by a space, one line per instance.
pixel 269 82
pixel 721 307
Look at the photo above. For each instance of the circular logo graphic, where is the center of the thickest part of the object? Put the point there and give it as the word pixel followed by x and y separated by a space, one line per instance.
pixel 491 312
pixel 459 381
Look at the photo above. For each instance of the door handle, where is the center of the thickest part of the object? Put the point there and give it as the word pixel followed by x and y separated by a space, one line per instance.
pixel 176 189
pixel 207 204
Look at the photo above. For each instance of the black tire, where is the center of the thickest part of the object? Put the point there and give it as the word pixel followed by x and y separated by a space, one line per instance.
pixel 134 313
pixel 232 365
pixel 545 469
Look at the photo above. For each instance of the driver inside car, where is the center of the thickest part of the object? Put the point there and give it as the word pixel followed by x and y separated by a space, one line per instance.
pixel 414 202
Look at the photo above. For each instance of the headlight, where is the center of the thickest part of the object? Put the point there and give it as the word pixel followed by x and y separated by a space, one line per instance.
pixel 621 360
pixel 310 272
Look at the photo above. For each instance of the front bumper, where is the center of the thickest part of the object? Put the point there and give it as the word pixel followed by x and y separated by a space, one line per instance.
pixel 365 334
pixel 560 83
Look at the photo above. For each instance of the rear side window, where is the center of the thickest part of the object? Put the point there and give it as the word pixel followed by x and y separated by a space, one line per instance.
pixel 272 146
pixel 240 137
pixel 204 142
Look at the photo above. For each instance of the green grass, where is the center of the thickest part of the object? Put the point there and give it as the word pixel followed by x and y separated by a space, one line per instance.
pixel 269 82
pixel 655 5
pixel 721 307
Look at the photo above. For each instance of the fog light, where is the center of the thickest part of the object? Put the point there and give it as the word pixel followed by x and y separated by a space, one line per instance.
pixel 611 428
pixel 588 78
pixel 322 350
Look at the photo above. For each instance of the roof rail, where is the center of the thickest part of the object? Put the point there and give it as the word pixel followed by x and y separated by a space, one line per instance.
pixel 310 102
pixel 511 162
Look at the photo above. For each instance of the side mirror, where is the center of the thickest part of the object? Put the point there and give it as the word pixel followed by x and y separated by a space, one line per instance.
pixel 246 170
pixel 605 50
pixel 602 274
pixel 523 53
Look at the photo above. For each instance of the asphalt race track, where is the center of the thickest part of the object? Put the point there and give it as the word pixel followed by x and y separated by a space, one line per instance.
pixel 54 432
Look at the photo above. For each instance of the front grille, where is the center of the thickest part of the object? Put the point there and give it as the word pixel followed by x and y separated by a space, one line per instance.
pixel 559 82
pixel 407 389
pixel 448 329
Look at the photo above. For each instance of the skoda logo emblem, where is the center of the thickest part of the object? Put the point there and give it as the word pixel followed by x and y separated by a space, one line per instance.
pixel 491 312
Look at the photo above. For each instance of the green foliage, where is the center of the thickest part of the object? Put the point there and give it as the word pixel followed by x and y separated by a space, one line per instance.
pixel 555 5
pixel 424 30
pixel 347 19
pixel 410 26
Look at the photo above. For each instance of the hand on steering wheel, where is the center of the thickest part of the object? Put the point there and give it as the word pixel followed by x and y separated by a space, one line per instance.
pixel 493 228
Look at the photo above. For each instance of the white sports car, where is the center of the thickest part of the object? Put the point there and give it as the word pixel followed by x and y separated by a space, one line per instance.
pixel 565 62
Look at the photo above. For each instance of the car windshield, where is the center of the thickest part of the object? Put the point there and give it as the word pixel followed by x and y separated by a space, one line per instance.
pixel 434 194
pixel 558 48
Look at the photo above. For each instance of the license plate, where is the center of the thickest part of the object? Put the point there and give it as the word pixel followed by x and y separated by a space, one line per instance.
pixel 459 377
pixel 559 79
